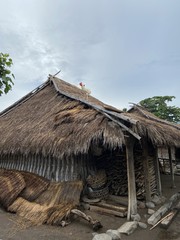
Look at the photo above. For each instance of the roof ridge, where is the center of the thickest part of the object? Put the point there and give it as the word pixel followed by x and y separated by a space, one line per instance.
pixel 24 98
pixel 155 118
pixel 109 114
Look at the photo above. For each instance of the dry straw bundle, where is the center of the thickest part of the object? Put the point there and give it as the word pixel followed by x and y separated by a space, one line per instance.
pixel 35 185
pixel 36 199
pixel 11 185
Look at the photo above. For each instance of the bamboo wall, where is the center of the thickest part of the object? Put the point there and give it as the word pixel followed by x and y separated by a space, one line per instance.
pixel 79 167
pixel 67 169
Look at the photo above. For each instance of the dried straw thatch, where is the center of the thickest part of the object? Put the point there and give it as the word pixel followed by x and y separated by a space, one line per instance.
pixel 158 131
pixel 52 202
pixel 59 118
pixel 35 186
pixel 52 206
pixel 11 185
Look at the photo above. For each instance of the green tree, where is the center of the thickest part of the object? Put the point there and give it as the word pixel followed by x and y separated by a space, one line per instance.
pixel 158 106
pixel 6 77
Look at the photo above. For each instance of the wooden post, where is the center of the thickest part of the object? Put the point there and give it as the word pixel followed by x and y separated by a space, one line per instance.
pixel 146 170
pixel 171 168
pixel 157 173
pixel 132 200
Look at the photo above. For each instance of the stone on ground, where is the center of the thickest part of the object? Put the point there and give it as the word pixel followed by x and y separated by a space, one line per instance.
pixel 114 234
pixel 128 227
pixel 102 236
pixel 142 225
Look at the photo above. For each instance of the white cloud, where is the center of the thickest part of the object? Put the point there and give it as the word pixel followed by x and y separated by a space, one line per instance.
pixel 124 50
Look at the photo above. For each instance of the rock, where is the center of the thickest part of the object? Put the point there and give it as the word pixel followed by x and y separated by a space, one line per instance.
pixel 135 217
pixel 150 211
pixel 102 236
pixel 142 225
pixel 141 205
pixel 163 199
pixel 114 234
pixel 94 234
pixel 150 205
pixel 156 200
pixel 128 227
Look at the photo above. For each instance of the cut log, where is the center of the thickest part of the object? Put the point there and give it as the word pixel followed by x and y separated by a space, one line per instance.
pixel 121 200
pixel 167 221
pixel 110 206
pixel 162 210
pixel 167 216
pixel 107 211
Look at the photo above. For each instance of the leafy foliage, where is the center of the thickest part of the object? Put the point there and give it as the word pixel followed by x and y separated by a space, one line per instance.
pixel 6 76
pixel 158 106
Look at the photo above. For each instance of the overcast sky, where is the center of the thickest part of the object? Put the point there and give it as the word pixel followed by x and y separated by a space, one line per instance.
pixel 123 50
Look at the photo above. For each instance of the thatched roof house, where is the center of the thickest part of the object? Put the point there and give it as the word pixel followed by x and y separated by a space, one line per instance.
pixel 60 132
pixel 55 121
pixel 160 132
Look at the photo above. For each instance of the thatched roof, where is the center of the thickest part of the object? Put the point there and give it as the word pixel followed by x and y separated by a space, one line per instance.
pixel 58 118
pixel 160 132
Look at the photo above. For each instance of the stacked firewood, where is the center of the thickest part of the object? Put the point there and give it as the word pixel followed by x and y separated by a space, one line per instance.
pixel 116 169
pixel 152 175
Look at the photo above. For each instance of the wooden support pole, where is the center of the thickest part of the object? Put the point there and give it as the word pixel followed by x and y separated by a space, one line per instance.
pixel 171 168
pixel 157 173
pixel 132 200
pixel 146 170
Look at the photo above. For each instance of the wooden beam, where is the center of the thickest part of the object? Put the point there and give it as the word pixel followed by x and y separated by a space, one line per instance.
pixel 167 221
pixel 157 174
pixel 107 211
pixel 171 168
pixel 110 206
pixel 132 200
pixel 146 170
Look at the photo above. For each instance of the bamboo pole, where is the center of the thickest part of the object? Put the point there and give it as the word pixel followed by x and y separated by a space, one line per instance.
pixel 146 170
pixel 132 200
pixel 157 173
pixel 171 168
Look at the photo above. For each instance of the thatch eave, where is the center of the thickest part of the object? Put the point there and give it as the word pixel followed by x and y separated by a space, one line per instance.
pixel 160 132
pixel 56 124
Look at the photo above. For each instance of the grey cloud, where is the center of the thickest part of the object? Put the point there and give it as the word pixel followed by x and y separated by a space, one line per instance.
pixel 123 50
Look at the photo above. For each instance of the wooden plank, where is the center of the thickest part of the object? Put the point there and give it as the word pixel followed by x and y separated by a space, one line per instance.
pixel 106 211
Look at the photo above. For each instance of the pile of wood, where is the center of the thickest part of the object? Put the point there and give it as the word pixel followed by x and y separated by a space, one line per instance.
pixel 116 169
pixel 166 213
pixel 106 207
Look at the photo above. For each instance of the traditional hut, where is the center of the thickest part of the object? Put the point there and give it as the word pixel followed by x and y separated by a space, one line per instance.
pixel 53 130
pixel 60 132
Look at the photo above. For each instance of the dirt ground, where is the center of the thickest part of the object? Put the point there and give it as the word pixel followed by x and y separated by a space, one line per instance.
pixel 12 227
